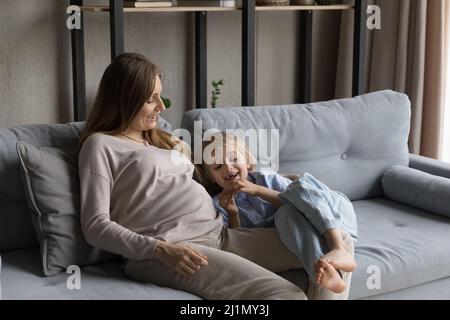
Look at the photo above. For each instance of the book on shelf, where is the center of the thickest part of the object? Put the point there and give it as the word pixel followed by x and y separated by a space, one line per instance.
pixel 206 3
pixel 147 4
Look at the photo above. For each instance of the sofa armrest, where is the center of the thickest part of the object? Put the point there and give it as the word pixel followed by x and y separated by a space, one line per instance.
pixel 428 165
pixel 417 189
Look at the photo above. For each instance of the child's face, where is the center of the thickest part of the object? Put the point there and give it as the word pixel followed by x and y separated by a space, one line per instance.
pixel 232 167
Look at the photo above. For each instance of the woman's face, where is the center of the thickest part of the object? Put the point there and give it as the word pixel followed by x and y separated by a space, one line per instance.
pixel 232 167
pixel 147 117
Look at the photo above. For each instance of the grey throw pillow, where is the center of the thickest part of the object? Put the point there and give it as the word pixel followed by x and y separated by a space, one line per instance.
pixel 52 189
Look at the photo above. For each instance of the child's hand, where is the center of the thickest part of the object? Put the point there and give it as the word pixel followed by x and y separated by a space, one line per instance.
pixel 243 186
pixel 226 201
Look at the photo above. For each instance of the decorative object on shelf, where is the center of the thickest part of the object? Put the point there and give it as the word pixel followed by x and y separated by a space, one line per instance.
pixel 147 4
pixel 272 2
pixel 216 92
pixel 303 2
pixel 206 3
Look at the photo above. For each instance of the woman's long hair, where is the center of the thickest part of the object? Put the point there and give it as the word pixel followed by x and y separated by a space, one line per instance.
pixel 125 86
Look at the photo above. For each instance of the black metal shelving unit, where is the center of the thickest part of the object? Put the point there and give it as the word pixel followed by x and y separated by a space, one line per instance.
pixel 116 13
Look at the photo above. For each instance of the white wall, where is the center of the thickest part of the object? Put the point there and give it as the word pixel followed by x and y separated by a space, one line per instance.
pixel 35 57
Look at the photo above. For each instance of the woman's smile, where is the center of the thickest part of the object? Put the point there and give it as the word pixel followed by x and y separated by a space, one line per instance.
pixel 152 117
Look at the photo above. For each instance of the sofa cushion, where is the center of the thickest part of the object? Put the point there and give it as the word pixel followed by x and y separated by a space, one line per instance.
pixel 418 189
pixel 22 280
pixel 16 230
pixel 434 290
pixel 53 194
pixel 345 143
pixel 403 245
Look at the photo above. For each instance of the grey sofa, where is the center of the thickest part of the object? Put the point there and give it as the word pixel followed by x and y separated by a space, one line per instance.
pixel 403 251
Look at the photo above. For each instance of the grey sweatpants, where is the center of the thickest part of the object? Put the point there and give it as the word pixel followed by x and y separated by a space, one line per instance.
pixel 242 264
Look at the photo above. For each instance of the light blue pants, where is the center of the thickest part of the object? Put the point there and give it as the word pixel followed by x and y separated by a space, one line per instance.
pixel 311 208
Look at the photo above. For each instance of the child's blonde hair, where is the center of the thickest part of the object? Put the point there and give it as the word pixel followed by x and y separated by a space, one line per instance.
pixel 221 141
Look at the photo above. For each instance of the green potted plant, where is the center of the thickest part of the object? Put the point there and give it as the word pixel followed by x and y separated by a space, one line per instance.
pixel 166 102
pixel 216 91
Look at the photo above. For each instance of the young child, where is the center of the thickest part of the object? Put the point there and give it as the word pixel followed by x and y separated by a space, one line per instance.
pixel 251 199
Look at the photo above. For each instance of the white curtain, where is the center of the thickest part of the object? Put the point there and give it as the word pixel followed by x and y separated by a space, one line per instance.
pixel 446 139
pixel 406 55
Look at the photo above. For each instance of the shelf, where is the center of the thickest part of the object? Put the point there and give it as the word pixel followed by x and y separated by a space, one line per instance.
pixel 159 9
pixel 297 8
pixel 249 25
pixel 216 9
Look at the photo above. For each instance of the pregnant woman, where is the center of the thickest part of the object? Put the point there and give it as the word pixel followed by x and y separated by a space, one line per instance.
pixel 138 203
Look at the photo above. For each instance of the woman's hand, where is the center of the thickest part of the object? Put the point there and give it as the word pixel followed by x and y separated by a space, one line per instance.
pixel 243 186
pixel 181 258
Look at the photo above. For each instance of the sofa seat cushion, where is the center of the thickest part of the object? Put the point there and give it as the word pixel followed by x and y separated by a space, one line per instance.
pixel 408 246
pixel 434 290
pixel 414 249
pixel 22 279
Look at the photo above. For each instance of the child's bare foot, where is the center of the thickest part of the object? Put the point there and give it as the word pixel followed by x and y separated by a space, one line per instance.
pixel 328 277
pixel 340 259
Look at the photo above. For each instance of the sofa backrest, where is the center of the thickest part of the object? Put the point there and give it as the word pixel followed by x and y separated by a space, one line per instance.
pixel 346 143
pixel 16 229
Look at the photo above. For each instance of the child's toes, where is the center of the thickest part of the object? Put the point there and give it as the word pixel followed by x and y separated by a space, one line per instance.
pixel 319 275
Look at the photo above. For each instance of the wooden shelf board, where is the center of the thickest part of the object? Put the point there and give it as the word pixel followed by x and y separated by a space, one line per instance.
pixel 315 7
pixel 159 9
pixel 212 9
